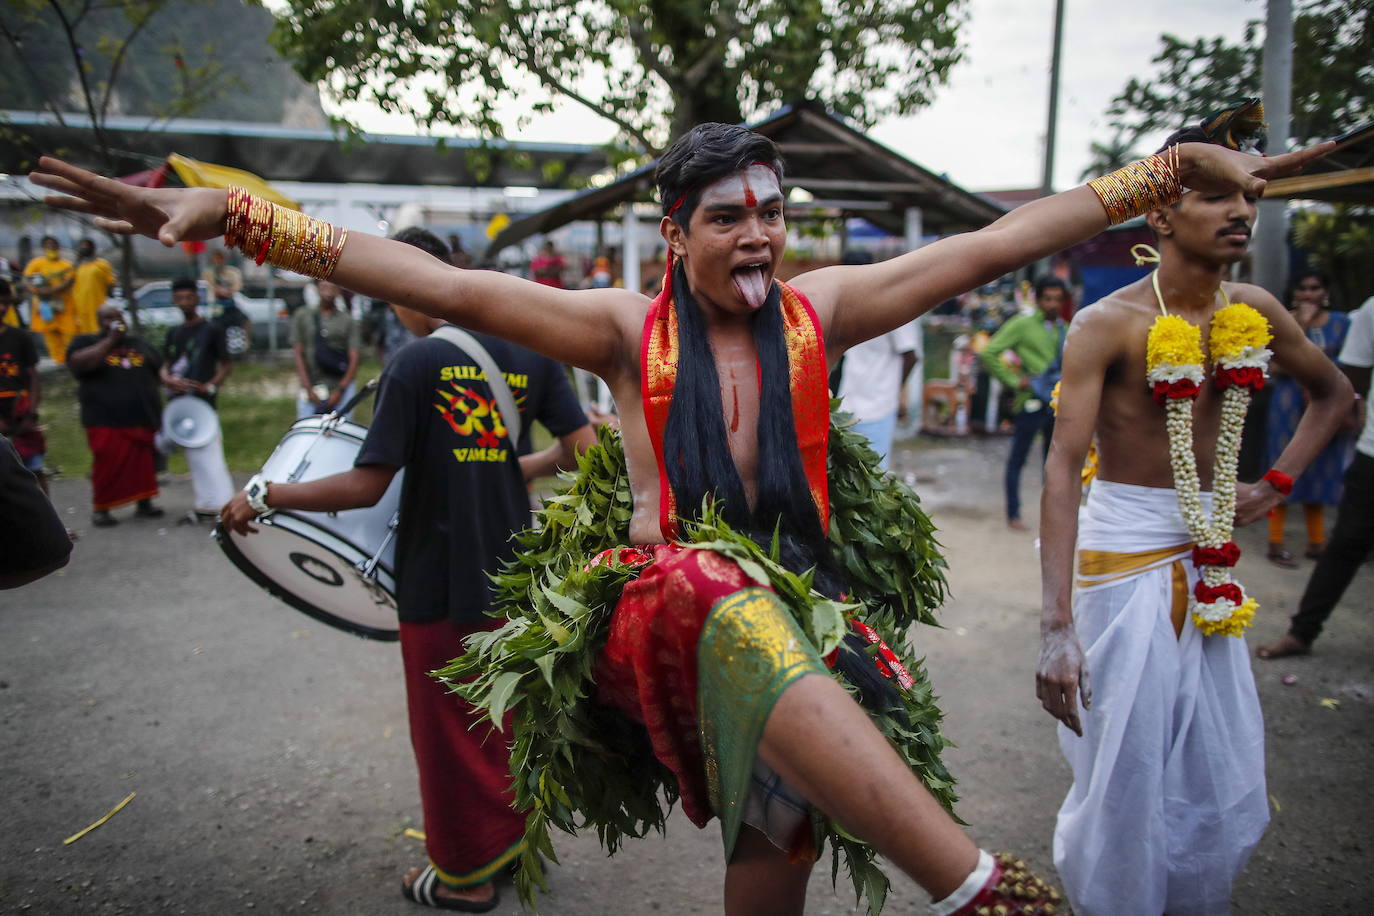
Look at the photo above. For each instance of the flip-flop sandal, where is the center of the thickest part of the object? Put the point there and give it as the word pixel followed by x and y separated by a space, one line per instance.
pixel 421 891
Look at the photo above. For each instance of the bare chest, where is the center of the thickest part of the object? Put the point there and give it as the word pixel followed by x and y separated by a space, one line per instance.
pixel 737 370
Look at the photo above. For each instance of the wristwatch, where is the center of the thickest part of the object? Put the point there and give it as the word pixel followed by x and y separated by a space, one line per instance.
pixel 211 389
pixel 256 491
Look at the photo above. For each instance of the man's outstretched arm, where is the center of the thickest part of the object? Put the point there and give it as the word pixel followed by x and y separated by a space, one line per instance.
pixel 1062 674
pixel 863 301
pixel 585 328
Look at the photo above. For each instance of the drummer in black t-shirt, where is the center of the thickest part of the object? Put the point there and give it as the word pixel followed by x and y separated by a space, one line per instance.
pixel 462 496
pixel 116 376
pixel 197 364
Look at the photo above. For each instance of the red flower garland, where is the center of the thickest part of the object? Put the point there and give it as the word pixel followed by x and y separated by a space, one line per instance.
pixel 1183 388
pixel 1206 594
pixel 1251 377
pixel 1225 555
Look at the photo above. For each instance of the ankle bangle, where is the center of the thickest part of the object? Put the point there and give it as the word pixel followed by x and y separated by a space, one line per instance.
pixel 974 883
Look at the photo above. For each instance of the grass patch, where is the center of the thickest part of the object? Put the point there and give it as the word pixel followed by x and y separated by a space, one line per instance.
pixel 256 406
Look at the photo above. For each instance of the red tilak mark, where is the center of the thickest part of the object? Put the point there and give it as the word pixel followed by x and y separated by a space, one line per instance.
pixel 749 199
pixel 734 416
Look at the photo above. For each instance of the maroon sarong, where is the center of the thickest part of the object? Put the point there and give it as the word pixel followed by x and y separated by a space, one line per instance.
pixel 471 830
pixel 122 468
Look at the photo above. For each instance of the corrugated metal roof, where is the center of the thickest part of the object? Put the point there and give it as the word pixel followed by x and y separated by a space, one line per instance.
pixel 280 153
pixel 844 170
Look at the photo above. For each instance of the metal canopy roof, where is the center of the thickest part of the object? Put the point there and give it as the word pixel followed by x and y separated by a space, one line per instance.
pixel 279 153
pixel 842 168
pixel 1345 176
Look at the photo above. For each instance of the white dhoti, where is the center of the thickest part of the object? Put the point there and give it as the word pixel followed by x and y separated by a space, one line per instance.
pixel 1168 799
pixel 211 484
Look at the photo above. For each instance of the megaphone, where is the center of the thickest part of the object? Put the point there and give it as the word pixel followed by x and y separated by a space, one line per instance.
pixel 189 421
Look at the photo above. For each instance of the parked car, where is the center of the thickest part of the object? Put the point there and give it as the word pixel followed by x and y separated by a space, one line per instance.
pixel 157 314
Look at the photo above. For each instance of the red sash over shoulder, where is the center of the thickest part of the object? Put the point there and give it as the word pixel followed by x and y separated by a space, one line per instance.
pixel 806 369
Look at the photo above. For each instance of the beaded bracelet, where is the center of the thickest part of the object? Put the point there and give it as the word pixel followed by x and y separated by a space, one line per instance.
pixel 285 238
pixel 1139 187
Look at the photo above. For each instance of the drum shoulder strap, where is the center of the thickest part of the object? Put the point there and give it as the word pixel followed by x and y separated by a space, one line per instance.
pixel 505 400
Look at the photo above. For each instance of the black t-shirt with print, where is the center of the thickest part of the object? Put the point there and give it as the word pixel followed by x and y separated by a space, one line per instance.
pixel 18 356
pixel 463 494
pixel 194 351
pixel 123 389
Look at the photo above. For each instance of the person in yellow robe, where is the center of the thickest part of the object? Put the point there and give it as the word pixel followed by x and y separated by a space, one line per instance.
pixel 52 313
pixel 93 280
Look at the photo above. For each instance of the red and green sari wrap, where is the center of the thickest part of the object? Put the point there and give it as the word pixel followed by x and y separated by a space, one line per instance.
pixel 637 677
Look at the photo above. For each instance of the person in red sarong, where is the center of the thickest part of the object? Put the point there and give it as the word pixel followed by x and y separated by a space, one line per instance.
pixel 730 433
pixel 116 375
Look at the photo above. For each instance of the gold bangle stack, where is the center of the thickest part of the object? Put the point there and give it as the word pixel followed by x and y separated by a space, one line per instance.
pixel 1139 187
pixel 282 237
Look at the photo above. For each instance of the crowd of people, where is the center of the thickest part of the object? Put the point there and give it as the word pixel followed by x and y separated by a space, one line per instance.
pixel 708 653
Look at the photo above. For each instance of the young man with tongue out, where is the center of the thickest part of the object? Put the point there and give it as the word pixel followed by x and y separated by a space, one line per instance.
pixel 721 387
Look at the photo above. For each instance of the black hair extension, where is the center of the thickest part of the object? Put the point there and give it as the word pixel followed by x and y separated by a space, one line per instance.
pixel 696 449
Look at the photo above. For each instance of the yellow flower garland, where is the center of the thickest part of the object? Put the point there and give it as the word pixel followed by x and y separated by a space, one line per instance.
pixel 1173 342
pixel 1237 330
pixel 1240 620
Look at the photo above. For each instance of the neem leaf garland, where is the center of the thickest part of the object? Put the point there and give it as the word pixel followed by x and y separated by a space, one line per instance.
pixel 577 764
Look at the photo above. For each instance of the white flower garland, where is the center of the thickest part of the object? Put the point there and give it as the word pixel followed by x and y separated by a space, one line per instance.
pixel 1175 374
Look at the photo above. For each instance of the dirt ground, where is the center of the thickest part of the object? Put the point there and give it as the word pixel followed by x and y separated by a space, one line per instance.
pixel 272 771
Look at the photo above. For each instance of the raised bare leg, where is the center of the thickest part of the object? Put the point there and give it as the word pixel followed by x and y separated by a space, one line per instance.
pixel 824 746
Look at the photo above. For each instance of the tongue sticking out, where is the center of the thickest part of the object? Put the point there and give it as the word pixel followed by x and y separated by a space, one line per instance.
pixel 749 282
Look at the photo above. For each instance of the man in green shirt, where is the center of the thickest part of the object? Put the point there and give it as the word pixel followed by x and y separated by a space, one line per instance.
pixel 1037 338
pixel 326 341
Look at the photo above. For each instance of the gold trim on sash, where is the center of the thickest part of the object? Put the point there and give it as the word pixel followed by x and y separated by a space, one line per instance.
pixel 1100 567
pixel 1103 567
pixel 1178 611
pixel 1105 562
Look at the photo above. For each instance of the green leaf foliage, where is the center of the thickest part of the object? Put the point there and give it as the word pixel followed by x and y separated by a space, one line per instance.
pixel 1333 76
pixel 577 764
pixel 1339 240
pixel 653 69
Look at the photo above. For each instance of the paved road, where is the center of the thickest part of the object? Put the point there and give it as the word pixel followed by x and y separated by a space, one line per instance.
pixel 270 756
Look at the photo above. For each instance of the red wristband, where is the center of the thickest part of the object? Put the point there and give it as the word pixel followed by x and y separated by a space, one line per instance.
pixel 1279 481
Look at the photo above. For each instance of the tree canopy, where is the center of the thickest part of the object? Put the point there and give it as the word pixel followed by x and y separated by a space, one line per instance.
pixel 651 67
pixel 1333 76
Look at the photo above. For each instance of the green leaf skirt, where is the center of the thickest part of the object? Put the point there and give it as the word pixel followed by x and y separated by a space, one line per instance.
pixel 578 764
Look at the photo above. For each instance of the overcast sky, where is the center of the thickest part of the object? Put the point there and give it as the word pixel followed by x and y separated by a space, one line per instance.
pixel 986 128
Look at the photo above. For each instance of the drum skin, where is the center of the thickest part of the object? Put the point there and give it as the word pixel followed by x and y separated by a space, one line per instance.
pixel 319 562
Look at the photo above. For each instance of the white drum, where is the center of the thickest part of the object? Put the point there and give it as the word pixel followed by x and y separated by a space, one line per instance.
pixel 338 567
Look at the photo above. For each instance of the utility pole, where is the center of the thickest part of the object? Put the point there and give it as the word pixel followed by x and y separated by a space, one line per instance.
pixel 1042 267
pixel 1271 228
pixel 1047 178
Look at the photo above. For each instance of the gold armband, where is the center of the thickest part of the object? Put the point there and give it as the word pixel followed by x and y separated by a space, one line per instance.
pixel 281 237
pixel 1139 187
